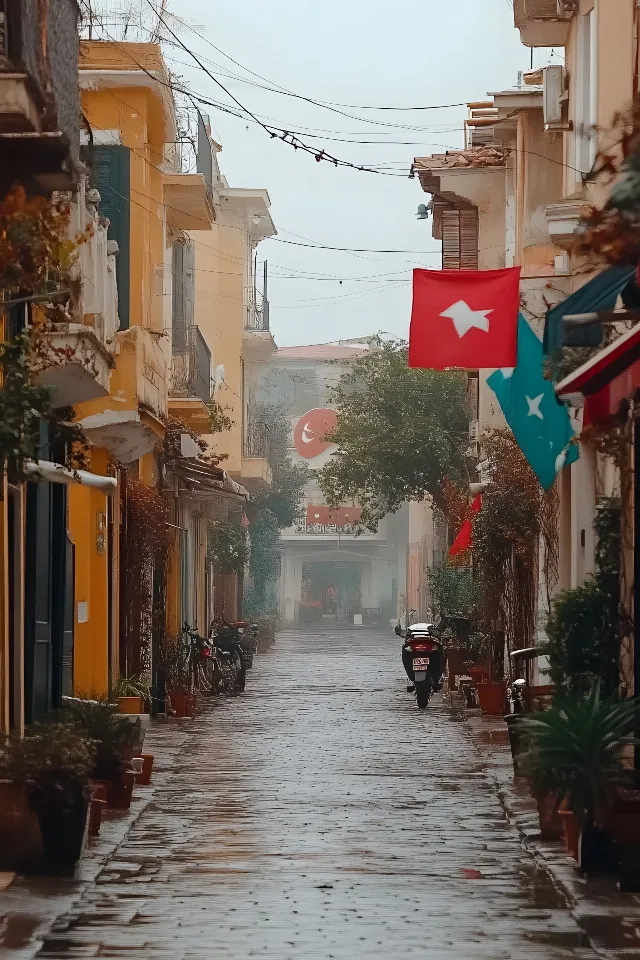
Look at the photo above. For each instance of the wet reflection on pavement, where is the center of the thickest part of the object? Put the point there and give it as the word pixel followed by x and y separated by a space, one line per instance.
pixel 319 816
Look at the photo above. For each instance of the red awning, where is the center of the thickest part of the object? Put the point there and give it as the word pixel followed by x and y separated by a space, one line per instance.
pixel 607 379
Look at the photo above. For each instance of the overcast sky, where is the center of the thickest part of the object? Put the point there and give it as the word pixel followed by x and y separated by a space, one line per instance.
pixel 364 52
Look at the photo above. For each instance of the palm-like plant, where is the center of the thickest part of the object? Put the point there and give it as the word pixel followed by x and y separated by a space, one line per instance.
pixel 578 751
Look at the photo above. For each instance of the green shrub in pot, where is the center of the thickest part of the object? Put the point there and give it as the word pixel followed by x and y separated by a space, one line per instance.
pixel 579 750
pixel 115 736
pixel 53 762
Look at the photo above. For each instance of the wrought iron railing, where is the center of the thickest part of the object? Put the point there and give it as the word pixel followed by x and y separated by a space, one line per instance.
pixel 256 310
pixel 199 365
pixel 191 371
pixel 257 442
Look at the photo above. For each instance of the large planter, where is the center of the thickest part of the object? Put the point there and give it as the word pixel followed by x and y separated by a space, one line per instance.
pixel 20 837
pixel 516 741
pixel 63 828
pixel 181 703
pixel 130 705
pixel 492 698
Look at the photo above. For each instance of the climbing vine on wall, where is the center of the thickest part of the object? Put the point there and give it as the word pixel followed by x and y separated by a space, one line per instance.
pixel 506 544
pixel 37 254
pixel 146 537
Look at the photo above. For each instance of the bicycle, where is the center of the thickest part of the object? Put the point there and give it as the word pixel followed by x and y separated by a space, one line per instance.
pixel 200 662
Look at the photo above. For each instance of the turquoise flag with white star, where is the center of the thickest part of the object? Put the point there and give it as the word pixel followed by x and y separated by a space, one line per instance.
pixel 540 424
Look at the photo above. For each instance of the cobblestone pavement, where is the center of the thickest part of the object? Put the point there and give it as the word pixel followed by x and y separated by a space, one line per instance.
pixel 319 816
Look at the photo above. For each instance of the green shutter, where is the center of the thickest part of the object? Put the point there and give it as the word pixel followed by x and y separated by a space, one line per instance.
pixel 110 174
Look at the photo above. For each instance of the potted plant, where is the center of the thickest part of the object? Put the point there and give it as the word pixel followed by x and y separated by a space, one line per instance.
pixel 173 665
pixel 132 694
pixel 53 763
pixel 492 691
pixel 116 741
pixel 579 745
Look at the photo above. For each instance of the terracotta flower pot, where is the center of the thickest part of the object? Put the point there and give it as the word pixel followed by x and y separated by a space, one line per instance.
pixel 130 705
pixel 550 821
pixel 571 832
pixel 492 698
pixel 147 768
pixel 95 815
pixel 181 703
pixel 119 792
pixel 624 819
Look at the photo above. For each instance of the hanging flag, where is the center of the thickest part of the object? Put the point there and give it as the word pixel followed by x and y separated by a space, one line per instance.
pixel 463 541
pixel 540 424
pixel 464 318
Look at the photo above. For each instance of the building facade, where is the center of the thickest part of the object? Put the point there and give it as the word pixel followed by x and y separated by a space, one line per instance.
pixel 328 571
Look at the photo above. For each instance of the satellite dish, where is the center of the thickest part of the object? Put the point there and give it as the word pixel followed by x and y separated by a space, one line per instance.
pixel 423 212
pixel 218 375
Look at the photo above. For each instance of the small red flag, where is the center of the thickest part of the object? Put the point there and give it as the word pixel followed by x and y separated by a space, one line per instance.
pixel 463 541
pixel 464 318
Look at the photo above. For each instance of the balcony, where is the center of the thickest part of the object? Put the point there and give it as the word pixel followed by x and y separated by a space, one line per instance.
pixel 543 23
pixel 190 392
pixel 257 342
pixel 255 472
pixel 39 96
pixel 75 358
pixel 563 220
pixel 189 202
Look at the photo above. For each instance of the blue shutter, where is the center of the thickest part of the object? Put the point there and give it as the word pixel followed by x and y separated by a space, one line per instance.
pixel 110 174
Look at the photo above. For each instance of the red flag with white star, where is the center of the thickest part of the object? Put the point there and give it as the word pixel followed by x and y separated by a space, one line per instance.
pixel 463 541
pixel 464 318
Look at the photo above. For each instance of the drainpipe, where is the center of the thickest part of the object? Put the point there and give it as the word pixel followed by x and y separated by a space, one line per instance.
pixel 56 473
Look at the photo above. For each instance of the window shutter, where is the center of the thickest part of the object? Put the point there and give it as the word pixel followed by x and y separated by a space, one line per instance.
pixel 110 174
pixel 178 323
pixel 188 283
pixel 460 239
pixel 469 239
pixel 451 239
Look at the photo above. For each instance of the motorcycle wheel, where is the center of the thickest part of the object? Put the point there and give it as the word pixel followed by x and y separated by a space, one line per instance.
pixel 423 692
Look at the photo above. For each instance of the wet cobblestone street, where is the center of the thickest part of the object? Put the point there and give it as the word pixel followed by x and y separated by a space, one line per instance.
pixel 319 816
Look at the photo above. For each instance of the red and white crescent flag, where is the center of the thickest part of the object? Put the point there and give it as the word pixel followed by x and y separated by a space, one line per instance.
pixel 464 318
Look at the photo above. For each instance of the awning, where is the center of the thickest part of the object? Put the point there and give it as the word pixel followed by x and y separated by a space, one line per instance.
pixel 607 379
pixel 207 478
pixel 596 295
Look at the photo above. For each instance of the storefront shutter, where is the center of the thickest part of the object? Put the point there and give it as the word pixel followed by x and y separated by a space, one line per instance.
pixel 110 174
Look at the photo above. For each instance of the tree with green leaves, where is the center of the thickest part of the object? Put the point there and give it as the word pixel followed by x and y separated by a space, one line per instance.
pixel 400 432
pixel 272 509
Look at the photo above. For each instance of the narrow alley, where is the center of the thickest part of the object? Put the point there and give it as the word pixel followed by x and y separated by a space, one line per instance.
pixel 320 816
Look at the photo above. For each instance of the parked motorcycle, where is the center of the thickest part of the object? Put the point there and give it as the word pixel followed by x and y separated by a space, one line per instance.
pixel 423 659
pixel 226 638
pixel 248 642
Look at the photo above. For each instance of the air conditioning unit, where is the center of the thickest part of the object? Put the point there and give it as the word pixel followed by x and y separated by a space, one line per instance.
pixel 474 430
pixel 553 96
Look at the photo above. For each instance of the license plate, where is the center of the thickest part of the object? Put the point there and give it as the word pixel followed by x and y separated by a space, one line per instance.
pixel 421 663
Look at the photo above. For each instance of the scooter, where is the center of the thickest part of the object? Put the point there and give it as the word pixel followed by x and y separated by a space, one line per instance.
pixel 423 659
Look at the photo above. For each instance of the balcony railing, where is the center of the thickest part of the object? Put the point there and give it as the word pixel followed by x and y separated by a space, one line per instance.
pixel 256 310
pixel 257 442
pixel 191 371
